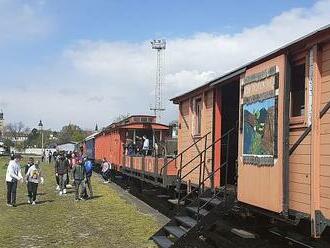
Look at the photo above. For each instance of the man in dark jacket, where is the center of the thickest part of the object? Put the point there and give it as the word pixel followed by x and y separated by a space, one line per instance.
pixel 79 175
pixel 61 170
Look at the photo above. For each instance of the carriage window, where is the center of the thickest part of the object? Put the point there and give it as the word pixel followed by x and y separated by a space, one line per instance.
pixel 297 90
pixel 198 116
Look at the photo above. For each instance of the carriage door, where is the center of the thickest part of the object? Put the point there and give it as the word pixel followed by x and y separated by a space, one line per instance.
pixel 260 167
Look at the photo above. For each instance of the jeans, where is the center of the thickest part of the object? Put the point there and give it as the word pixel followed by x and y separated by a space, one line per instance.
pixel 57 180
pixel 62 181
pixel 32 191
pixel 89 185
pixel 79 184
pixel 11 192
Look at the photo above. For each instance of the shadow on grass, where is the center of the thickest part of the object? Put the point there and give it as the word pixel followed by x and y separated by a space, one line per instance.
pixel 41 193
pixel 37 203
pixel 95 197
pixel 44 201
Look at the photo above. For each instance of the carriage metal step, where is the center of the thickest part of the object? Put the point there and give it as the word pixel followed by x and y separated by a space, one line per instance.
pixel 175 201
pixel 186 221
pixel 213 202
pixel 194 210
pixel 163 196
pixel 162 241
pixel 176 231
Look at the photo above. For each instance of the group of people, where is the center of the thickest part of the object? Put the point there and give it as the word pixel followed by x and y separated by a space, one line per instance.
pixel 79 170
pixel 141 147
pixel 32 177
pixel 68 166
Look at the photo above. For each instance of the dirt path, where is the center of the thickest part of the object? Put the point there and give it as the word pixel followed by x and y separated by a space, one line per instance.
pixel 106 221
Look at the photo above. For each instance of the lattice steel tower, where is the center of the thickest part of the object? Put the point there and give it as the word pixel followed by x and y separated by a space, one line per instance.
pixel 159 46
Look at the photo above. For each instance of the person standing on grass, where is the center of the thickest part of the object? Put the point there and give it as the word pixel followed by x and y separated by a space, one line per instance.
pixel 33 177
pixel 79 175
pixel 50 155
pixel 27 167
pixel 13 175
pixel 106 170
pixel 73 162
pixel 56 175
pixel 43 156
pixel 61 170
pixel 88 183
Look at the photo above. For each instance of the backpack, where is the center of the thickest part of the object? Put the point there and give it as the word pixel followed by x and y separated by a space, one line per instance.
pixel 88 167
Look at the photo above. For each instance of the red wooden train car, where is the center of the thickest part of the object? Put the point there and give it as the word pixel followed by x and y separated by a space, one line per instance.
pixel 120 143
pixel 264 129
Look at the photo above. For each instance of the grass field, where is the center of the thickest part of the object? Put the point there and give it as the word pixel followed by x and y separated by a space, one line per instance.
pixel 105 221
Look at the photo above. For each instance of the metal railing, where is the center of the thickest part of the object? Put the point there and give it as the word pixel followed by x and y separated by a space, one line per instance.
pixel 308 130
pixel 180 155
pixel 202 166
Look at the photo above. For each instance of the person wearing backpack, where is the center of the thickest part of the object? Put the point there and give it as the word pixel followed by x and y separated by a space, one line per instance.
pixel 89 171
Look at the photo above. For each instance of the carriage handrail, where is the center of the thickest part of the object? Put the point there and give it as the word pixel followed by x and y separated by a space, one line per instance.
pixel 206 148
pixel 181 153
pixel 202 179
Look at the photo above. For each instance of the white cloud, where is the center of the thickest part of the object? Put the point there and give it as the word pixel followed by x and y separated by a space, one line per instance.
pixel 95 81
pixel 22 19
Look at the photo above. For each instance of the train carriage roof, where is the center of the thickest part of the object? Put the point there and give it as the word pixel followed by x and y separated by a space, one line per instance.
pixel 236 72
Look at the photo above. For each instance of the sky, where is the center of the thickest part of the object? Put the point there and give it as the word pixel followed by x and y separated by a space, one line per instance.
pixel 87 62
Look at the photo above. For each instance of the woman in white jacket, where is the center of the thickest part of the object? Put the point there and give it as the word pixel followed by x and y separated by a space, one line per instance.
pixel 13 175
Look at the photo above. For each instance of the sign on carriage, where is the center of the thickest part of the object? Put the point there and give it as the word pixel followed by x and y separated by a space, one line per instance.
pixel 259 117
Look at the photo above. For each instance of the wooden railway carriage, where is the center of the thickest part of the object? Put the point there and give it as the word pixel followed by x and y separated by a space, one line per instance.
pixel 89 146
pixel 119 143
pixel 265 129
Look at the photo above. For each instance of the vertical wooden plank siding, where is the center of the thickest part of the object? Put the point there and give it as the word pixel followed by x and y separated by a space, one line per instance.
pixel 325 134
pixel 109 145
pixel 262 186
pixel 186 134
pixel 299 173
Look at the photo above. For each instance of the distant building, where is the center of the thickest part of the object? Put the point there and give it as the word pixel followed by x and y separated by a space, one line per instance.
pixel 67 147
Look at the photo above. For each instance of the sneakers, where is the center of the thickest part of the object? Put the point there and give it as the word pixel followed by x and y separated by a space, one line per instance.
pixel 57 187
pixel 9 205
pixel 33 203
pixel 61 193
pixel 29 201
pixel 64 191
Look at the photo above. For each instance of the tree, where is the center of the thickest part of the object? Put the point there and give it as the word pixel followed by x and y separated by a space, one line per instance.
pixel 8 143
pixel 71 132
pixel 15 130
